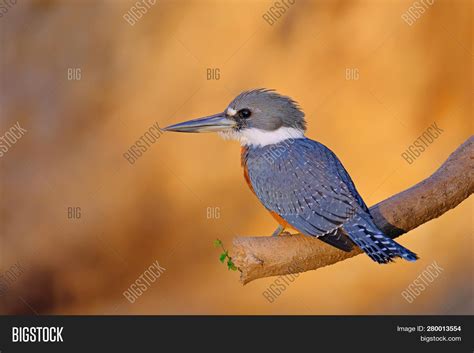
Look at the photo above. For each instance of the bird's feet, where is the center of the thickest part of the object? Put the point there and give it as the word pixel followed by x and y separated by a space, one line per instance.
pixel 280 231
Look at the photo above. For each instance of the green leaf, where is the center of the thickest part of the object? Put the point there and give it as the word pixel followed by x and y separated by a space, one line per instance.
pixel 223 257
pixel 217 243
pixel 231 266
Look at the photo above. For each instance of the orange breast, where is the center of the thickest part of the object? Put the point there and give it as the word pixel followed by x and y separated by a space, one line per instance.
pixel 281 221
pixel 275 215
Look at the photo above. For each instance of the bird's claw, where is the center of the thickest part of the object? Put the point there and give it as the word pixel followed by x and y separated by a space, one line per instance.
pixel 278 231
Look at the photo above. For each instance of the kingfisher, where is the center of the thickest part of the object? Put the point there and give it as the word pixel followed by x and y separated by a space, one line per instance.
pixel 300 181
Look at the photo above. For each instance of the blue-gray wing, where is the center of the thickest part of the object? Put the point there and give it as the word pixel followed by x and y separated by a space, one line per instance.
pixel 305 183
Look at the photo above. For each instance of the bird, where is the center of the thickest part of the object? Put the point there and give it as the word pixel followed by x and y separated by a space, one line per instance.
pixel 299 180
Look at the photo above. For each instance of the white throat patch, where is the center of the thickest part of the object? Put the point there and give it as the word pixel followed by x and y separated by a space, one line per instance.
pixel 258 137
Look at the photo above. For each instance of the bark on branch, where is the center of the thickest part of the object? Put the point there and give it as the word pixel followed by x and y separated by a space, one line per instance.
pixel 258 257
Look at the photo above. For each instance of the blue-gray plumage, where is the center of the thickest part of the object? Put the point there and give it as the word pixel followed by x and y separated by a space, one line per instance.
pixel 300 181
pixel 305 184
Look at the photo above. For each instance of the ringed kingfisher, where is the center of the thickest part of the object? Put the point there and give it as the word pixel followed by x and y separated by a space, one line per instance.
pixel 300 181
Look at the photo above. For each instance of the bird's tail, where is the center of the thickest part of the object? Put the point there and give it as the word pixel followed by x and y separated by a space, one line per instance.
pixel 380 248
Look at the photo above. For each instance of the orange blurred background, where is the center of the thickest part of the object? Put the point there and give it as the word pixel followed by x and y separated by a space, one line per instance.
pixel 369 82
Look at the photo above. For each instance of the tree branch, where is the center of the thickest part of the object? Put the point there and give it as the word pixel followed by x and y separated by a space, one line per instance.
pixel 258 257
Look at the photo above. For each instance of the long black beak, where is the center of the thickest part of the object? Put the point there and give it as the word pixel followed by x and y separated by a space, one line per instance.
pixel 213 123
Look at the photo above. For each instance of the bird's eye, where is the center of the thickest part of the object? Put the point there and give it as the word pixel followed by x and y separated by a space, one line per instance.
pixel 245 113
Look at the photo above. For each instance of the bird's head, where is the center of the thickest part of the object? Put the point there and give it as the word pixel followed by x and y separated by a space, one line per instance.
pixel 258 117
